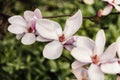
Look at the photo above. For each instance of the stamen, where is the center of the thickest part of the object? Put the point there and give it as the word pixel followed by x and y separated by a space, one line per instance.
pixel 84 79
pixel 30 30
pixel 95 59
pixel 62 38
pixel 113 1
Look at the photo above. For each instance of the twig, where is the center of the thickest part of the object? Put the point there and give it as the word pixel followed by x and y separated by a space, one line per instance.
pixel 66 15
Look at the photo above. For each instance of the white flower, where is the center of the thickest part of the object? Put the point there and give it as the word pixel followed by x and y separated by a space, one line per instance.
pixel 52 31
pixel 24 27
pixel 109 7
pixel 88 51
pixel 80 72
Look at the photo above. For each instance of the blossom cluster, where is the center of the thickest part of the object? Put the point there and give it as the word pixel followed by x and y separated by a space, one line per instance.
pixel 92 62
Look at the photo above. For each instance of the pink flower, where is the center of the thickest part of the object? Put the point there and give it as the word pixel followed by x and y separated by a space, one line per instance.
pixel 52 31
pixel 24 27
pixel 88 51
pixel 109 7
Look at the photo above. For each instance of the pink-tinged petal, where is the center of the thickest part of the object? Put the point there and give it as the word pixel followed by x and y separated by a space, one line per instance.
pixel 28 38
pixel 117 2
pixel 118 47
pixel 90 2
pixel 107 10
pixel 19 36
pixel 18 20
pixel 117 7
pixel 69 47
pixel 70 41
pixel 111 68
pixel 80 73
pixel 118 77
pixel 32 24
pixel 38 13
pixel 85 42
pixel 28 15
pixel 73 24
pixel 48 29
pixel 69 44
pixel 53 50
pixel 41 39
pixel 95 73
pixel 77 64
pixel 99 43
pixel 16 29
pixel 109 53
pixel 82 54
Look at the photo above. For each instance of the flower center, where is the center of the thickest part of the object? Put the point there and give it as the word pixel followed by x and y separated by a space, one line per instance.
pixel 62 38
pixel 113 1
pixel 95 59
pixel 84 79
pixel 30 30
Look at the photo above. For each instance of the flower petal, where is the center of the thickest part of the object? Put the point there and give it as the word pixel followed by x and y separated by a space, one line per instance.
pixel 16 29
pixel 28 15
pixel 85 42
pixel 28 38
pixel 107 10
pixel 95 73
pixel 18 20
pixel 48 29
pixel 73 24
pixel 118 78
pixel 37 13
pixel 41 39
pixel 69 47
pixel 80 73
pixel 118 47
pixel 77 64
pixel 117 2
pixel 109 53
pixel 117 7
pixel 111 68
pixel 82 54
pixel 53 50
pixel 90 2
pixel 69 44
pixel 99 43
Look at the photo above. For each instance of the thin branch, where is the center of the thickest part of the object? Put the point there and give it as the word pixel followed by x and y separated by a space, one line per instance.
pixel 4 15
pixel 113 13
pixel 66 15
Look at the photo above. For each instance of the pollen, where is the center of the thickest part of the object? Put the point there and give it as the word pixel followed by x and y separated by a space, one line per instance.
pixel 62 38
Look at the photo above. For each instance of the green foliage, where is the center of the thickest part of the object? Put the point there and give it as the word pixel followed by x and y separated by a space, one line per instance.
pixel 20 62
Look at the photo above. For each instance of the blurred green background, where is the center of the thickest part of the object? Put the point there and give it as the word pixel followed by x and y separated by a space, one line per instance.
pixel 20 62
